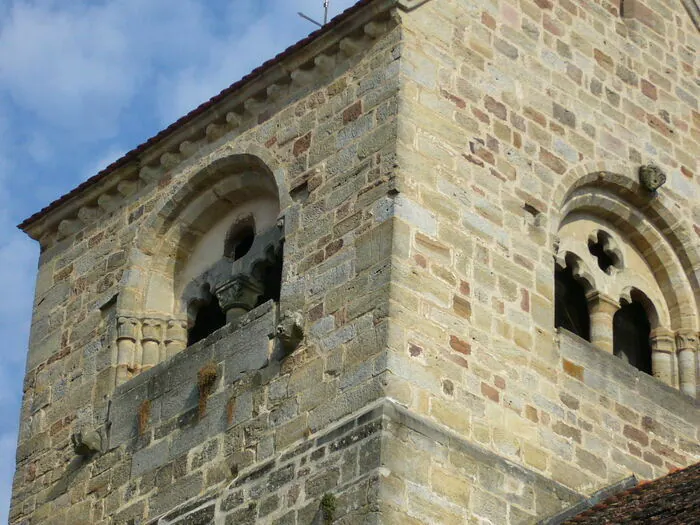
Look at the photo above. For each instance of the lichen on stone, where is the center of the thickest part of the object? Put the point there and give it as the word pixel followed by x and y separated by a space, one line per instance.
pixel 206 381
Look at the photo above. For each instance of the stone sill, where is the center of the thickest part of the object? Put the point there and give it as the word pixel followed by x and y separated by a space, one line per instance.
pixel 615 370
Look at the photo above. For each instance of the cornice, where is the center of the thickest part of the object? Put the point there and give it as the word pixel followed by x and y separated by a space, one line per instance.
pixel 237 109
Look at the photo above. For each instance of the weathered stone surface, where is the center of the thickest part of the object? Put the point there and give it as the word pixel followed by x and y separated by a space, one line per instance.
pixel 422 168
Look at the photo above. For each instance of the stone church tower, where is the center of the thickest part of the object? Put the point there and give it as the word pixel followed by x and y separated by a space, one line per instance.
pixel 437 263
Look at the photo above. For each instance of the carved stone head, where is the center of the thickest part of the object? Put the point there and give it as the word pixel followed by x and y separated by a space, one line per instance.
pixel 651 177
pixel 290 330
pixel 87 443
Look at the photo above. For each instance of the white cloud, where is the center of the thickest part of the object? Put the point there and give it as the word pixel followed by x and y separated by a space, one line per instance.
pixel 17 268
pixel 235 54
pixel 44 55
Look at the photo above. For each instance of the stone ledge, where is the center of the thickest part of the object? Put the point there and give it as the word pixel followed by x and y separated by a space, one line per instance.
pixel 239 348
pixel 581 351
pixel 224 331
pixel 325 449
pixel 382 418
pixel 407 419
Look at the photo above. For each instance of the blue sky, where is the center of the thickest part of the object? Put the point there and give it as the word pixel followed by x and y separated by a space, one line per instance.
pixel 81 83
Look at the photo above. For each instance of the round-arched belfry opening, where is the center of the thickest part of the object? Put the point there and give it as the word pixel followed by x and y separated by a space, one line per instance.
pixel 212 251
pixel 617 248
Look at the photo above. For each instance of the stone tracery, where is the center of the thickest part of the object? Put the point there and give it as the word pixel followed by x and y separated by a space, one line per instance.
pixel 631 291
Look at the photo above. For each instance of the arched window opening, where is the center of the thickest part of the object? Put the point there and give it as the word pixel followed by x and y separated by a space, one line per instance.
pixel 208 318
pixel 240 238
pixel 570 304
pixel 631 330
pixel 599 246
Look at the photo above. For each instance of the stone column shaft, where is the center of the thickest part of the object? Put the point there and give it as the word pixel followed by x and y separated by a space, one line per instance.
pixel 175 337
pixel 151 343
pixel 126 348
pixel 602 310
pixel 662 349
pixel 687 346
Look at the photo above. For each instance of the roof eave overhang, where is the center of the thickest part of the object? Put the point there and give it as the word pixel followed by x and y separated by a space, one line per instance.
pixel 273 71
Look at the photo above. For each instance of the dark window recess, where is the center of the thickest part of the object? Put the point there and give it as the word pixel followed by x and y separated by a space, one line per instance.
pixel 210 317
pixel 570 304
pixel 240 238
pixel 244 243
pixel 606 259
pixel 631 330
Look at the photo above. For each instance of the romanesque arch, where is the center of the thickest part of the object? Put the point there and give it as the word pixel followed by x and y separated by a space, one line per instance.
pixel 621 180
pixel 644 265
pixel 210 251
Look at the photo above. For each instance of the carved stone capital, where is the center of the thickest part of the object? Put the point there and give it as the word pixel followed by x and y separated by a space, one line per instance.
pixel 686 340
pixel 598 301
pixel 176 331
pixel 151 330
pixel 127 327
pixel 662 340
pixel 242 291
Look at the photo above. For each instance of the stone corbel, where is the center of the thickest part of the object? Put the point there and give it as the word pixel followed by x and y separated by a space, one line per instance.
pixel 187 148
pixel 127 187
pixel 69 226
pixel 301 77
pixel 687 346
pixel 169 160
pixel 253 106
pixel 375 29
pixel 108 202
pixel 349 47
pixel 215 131
pixel 150 174
pixel 233 119
pixel 325 63
pixel 88 214
pixel 275 92
pixel 87 443
pixel 290 331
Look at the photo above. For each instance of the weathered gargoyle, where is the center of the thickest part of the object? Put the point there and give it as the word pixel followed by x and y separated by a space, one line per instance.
pixel 87 443
pixel 290 330
pixel 651 177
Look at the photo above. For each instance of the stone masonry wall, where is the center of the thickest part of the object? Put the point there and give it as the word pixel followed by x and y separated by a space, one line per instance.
pixel 422 172
pixel 506 105
pixel 331 145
